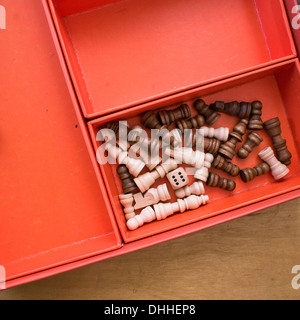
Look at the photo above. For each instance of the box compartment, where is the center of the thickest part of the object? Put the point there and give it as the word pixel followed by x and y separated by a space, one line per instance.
pixel 277 87
pixel 124 53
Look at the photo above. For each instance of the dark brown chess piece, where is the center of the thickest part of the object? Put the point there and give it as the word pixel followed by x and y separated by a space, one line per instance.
pixel 274 130
pixel 248 174
pixel 234 108
pixel 150 120
pixel 167 117
pixel 228 149
pixel 195 122
pixel 214 180
pixel 255 122
pixel 128 185
pixel 203 109
pixel 221 163
pixel 253 140
pixel 196 140
pixel 211 145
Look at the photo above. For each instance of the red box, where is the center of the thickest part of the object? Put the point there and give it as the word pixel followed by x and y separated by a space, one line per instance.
pixel 236 49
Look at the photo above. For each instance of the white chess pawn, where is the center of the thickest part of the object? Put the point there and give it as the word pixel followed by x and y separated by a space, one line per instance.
pixel 126 201
pixel 145 181
pixel 202 173
pixel 147 215
pixel 278 169
pixel 164 210
pixel 187 156
pixel 220 133
pixel 197 188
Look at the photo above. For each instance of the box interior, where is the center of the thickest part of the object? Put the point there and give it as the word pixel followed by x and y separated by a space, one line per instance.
pixel 277 88
pixel 123 53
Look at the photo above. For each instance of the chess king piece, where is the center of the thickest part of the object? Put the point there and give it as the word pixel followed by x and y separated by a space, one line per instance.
pixel 255 122
pixel 152 196
pixel 195 122
pixel 278 169
pixel 126 201
pixel 168 117
pixel 253 140
pixel 128 185
pixel 203 109
pixel 215 180
pixel 220 133
pixel 197 188
pixel 234 108
pixel 178 178
pixel 164 210
pixel 273 128
pixel 228 149
pixel 221 163
pixel 248 174
pixel 145 181
pixel 147 215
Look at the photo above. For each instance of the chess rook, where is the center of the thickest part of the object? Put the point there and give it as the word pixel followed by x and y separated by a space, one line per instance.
pixel 255 122
pixel 222 164
pixel 228 149
pixel 248 174
pixel 168 117
pixel 147 215
pixel 203 109
pixel 215 180
pixel 253 140
pixel 197 188
pixel 273 128
pixel 195 122
pixel 126 201
pixel 220 133
pixel 278 169
pixel 234 108
pixel 128 185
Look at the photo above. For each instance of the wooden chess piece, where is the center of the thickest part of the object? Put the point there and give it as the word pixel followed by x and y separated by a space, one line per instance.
pixel 197 188
pixel 195 122
pixel 255 122
pixel 234 108
pixel 248 174
pixel 152 196
pixel 219 133
pixel 117 129
pixel 221 163
pixel 278 169
pixel 203 109
pixel 214 180
pixel 202 173
pixel 273 128
pixel 126 201
pixel 167 117
pixel 150 120
pixel 195 139
pixel 145 181
pixel 164 210
pixel 147 215
pixel 253 140
pixel 228 149
pixel 128 185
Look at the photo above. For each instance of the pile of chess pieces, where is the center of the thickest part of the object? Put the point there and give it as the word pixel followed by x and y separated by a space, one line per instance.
pixel 219 145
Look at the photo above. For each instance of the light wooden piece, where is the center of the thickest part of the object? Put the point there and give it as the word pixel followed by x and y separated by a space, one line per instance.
pixel 178 178
pixel 126 201
pixel 152 196
pixel 221 133
pixel 278 169
pixel 147 215
pixel 197 188
pixel 202 173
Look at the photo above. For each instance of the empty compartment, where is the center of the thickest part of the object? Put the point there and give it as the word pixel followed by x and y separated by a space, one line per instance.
pixel 127 52
pixel 277 87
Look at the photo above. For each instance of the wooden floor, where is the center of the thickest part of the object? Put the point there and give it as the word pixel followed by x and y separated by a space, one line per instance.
pixel 248 258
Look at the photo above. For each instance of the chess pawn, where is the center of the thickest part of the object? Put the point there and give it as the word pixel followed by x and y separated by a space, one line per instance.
pixel 228 149
pixel 135 166
pixel 187 156
pixel 248 174
pixel 197 188
pixel 221 163
pixel 234 108
pixel 150 120
pixel 220 133
pixel 126 201
pixel 122 143
pixel 168 117
pixel 253 140
pixel 278 169
pixel 211 145
pixel 128 184
pixel 164 210
pixel 202 173
pixel 255 122
pixel 194 139
pixel 274 130
pixel 195 122
pixel 215 180
pixel 203 109
pixel 145 181
pixel 147 215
